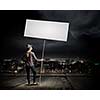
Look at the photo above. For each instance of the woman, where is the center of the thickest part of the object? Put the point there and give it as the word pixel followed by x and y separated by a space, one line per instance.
pixel 30 58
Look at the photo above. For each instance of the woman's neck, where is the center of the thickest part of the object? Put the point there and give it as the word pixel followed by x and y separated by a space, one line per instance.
pixel 29 50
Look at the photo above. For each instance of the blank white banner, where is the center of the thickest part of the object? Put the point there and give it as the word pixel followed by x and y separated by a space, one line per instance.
pixel 46 30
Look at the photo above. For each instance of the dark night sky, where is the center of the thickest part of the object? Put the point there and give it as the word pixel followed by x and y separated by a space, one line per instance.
pixel 83 39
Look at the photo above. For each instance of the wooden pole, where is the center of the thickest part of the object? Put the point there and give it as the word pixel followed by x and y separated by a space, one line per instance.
pixel 41 69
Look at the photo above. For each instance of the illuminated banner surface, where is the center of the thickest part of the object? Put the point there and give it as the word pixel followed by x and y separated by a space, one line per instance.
pixel 46 30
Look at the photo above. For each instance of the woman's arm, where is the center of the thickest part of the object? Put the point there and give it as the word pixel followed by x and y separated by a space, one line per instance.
pixel 36 57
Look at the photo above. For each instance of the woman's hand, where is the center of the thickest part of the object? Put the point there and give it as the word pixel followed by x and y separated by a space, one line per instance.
pixel 42 59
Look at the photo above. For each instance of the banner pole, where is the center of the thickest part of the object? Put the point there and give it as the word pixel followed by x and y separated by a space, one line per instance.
pixel 41 69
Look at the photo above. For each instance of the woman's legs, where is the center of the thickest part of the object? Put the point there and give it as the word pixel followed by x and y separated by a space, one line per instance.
pixel 34 74
pixel 28 74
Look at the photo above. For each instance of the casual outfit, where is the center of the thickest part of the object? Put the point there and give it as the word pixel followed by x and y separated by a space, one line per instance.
pixel 30 66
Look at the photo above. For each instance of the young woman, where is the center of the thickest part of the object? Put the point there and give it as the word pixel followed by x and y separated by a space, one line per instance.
pixel 30 58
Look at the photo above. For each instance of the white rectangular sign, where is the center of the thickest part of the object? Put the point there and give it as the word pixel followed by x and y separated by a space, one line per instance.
pixel 46 30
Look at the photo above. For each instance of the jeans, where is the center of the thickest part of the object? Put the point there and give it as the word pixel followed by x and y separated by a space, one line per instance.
pixel 28 68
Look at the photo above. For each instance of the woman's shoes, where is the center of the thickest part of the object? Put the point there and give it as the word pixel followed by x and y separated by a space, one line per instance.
pixel 35 83
pixel 28 84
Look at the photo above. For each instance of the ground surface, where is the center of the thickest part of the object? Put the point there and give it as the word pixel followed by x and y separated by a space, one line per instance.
pixel 50 82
